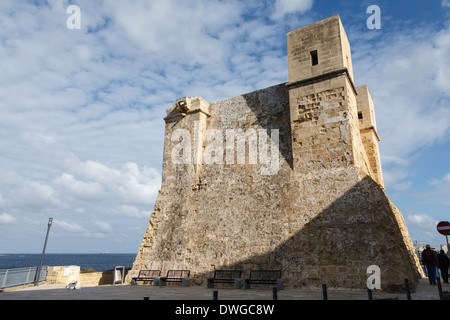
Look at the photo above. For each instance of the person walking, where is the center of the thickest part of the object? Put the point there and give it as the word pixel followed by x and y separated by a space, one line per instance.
pixel 444 263
pixel 430 260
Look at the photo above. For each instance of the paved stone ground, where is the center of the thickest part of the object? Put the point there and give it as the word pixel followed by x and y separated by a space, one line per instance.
pixel 132 292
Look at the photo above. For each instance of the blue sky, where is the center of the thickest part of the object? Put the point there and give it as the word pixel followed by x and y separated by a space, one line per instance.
pixel 81 129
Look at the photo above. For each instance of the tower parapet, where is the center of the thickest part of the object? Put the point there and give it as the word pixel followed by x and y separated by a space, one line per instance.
pixel 368 132
pixel 326 107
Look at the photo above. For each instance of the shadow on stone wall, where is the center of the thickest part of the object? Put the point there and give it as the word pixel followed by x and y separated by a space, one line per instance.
pixel 272 111
pixel 99 278
pixel 357 230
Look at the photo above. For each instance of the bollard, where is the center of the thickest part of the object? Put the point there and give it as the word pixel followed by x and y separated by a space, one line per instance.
pixel 274 293
pixel 369 292
pixel 441 295
pixel 215 295
pixel 408 290
pixel 324 291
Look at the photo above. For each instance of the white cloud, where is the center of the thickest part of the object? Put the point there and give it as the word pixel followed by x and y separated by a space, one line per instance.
pixel 408 75
pixel 129 184
pixel 403 186
pixel 422 221
pixel 393 177
pixel 36 194
pixel 446 3
pixel 397 178
pixel 422 228
pixel 443 182
pixel 70 227
pixel 283 7
pixel 103 226
pixel 407 72
pixel 80 189
pixel 131 212
pixel 438 191
pixel 6 219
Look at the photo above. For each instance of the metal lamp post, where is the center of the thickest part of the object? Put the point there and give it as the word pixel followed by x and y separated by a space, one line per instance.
pixel 38 274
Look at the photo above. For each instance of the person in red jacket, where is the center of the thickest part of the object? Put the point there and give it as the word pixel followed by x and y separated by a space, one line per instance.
pixel 430 260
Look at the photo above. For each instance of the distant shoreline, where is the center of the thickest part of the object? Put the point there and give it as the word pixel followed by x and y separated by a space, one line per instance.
pixel 97 261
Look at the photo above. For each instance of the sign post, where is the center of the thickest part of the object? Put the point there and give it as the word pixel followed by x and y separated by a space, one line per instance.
pixel 443 228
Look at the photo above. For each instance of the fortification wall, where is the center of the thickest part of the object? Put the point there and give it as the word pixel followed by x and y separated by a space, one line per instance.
pixel 305 195
pixel 318 218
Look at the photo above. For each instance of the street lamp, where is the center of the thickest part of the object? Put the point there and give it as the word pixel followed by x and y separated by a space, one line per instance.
pixel 38 274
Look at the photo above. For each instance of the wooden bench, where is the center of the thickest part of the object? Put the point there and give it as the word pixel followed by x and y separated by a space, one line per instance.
pixel 225 276
pixel 147 275
pixel 176 276
pixel 264 277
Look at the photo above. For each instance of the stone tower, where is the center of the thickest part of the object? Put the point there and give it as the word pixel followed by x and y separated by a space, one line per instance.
pixel 321 77
pixel 287 177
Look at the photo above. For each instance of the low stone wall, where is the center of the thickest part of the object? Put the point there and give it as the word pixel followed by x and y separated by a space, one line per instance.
pixel 69 274
pixel 63 274
pixel 96 278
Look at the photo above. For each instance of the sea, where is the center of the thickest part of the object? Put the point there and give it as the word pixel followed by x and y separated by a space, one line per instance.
pixel 98 261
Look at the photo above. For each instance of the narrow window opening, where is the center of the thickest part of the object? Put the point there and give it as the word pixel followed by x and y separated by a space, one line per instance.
pixel 360 116
pixel 314 58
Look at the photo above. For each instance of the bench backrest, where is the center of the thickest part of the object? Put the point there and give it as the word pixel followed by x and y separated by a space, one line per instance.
pixel 178 274
pixel 227 274
pixel 149 273
pixel 265 274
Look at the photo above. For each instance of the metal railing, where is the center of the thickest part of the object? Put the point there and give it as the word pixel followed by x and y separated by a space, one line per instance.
pixel 20 276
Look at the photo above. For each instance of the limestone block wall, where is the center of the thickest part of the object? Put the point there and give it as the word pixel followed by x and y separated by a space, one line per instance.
pixel 280 178
pixel 96 278
pixel 206 218
pixel 368 131
pixel 320 126
pixel 317 218
pixel 63 274
pixel 68 274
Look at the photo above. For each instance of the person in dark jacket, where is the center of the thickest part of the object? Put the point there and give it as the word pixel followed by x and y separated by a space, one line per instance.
pixel 430 260
pixel 444 263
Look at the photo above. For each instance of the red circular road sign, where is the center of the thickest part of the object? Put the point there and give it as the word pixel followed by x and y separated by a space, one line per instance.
pixel 443 227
